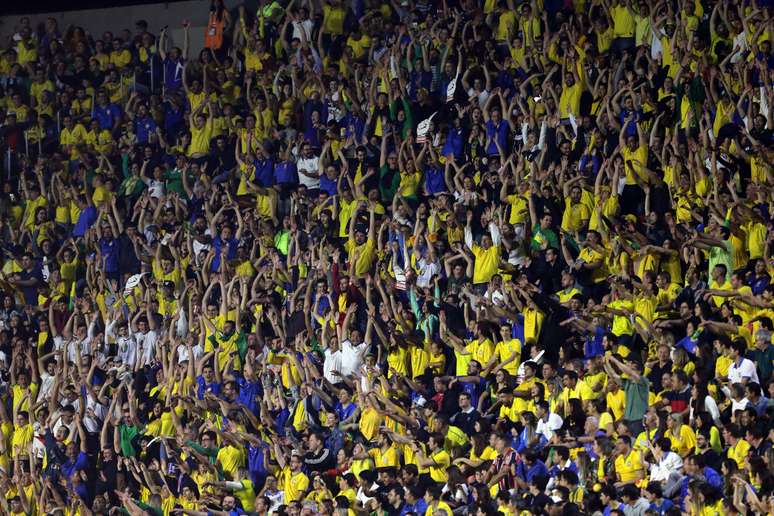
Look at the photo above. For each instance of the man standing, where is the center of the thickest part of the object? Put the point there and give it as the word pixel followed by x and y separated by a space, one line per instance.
pixel 636 388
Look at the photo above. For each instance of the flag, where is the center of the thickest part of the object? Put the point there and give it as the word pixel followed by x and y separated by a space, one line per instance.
pixel 423 128
pixel 451 88
pixel 71 303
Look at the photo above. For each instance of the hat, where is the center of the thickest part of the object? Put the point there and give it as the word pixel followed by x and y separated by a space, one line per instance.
pixel 420 402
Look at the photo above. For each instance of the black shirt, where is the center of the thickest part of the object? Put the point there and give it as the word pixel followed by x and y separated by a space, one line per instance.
pixel 31 292
pixel 657 372
pixel 466 420
pixel 320 461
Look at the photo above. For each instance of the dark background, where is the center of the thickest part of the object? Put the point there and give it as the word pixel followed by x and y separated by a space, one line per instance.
pixel 44 6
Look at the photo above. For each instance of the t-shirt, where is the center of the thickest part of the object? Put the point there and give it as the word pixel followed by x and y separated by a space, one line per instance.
pixel 636 398
pixel 628 466
pixel 744 369
pixel 294 484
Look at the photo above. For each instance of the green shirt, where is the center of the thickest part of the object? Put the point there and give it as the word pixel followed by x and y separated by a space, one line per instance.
pixel 636 398
pixel 210 453
pixel 764 360
pixel 540 235
pixel 388 187
pixel 174 182
pixel 127 434
pixel 722 255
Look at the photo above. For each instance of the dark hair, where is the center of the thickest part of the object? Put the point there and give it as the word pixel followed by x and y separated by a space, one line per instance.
pixel 665 444
pixel 562 451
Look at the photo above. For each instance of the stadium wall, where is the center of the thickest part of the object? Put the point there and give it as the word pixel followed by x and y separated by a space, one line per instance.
pixel 115 19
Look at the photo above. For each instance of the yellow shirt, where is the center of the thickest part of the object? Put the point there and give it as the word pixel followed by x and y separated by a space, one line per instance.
pixel 442 506
pixel 120 58
pixel 30 208
pixel 385 459
pixel 370 420
pixel 486 263
pixel 366 252
pixel 26 52
pixel 294 484
pixel 519 209
pixel 442 461
pixel 333 19
pixel 590 255
pixel 73 137
pixel 18 394
pixel 623 21
pixel 504 350
pixel 200 139
pixel 684 441
pixel 738 452
pixel 616 402
pixel 575 217
pixel 359 46
pixel 37 89
pixel 231 458
pixel 639 158
pixel 22 437
pixel 569 100
pixel 627 467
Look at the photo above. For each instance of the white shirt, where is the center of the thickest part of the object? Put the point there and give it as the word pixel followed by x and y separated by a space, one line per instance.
pixel 146 342
pixel 46 382
pixel 127 346
pixel 332 363
pixel 745 369
pixel 155 187
pixel 739 405
pixel 306 26
pixel 72 430
pixel 182 352
pixel 548 426
pixel 352 357
pixel 669 462
pixel 311 166
pixel 426 272
pixel 481 95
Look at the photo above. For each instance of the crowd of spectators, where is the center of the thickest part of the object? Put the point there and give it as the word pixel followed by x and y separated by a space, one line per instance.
pixel 417 257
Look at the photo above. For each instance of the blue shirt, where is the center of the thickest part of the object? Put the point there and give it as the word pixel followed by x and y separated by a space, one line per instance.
pixel 474 390
pixel 608 509
pixel 144 127
pixel 522 442
pixel 217 244
pixel 435 182
pixel 454 143
pixel 110 252
pixel 173 74
pixel 285 172
pixel 354 125
pixel 248 391
pixel 593 347
pixel 497 132
pixel 527 474
pixel 419 508
pixel 256 463
pixel 69 467
pixel 107 116
pixel 264 172
pixel 328 185
pixel 203 387
pixel 174 120
pixel 663 507
pixel 555 470
pixel 344 412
